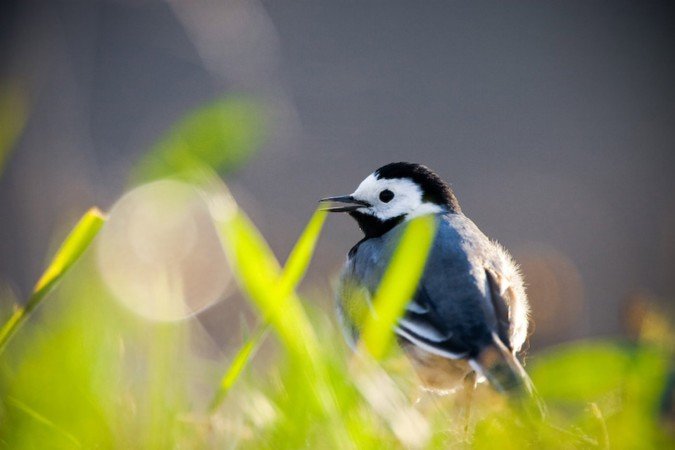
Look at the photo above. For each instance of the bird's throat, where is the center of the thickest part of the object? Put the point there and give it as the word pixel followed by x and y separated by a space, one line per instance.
pixel 373 227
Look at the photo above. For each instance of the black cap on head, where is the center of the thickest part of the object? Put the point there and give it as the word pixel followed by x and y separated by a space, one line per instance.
pixel 434 189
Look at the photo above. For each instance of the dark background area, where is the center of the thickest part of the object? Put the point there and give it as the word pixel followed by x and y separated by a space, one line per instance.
pixel 554 122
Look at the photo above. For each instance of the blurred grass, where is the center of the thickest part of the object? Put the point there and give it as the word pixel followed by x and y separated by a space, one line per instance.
pixel 239 362
pixel 295 269
pixel 13 117
pixel 87 373
pixel 222 135
pixel 258 273
pixel 70 251
pixel 399 284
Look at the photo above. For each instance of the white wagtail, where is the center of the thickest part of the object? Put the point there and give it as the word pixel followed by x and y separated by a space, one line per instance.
pixel 469 314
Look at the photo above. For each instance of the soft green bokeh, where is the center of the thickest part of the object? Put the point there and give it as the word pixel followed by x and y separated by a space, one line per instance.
pixel 221 135
pixel 626 381
pixel 13 117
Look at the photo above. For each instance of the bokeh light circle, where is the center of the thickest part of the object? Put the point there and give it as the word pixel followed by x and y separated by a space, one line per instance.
pixel 159 252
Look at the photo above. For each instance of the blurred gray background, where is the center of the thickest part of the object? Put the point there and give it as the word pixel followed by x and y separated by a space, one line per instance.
pixel 554 122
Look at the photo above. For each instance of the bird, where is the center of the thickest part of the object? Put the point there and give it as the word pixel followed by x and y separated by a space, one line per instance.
pixel 468 318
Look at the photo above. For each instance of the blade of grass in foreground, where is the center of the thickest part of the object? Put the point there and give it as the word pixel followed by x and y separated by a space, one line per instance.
pixel 258 273
pixel 398 285
pixel 299 258
pixel 245 353
pixel 39 418
pixel 70 251
pixel 292 274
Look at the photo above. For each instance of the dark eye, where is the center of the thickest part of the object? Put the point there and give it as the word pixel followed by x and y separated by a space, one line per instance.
pixel 386 195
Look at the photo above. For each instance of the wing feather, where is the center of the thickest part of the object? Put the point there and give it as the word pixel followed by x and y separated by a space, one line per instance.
pixel 500 300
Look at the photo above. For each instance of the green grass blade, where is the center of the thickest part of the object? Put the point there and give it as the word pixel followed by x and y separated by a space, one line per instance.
pixel 70 251
pixel 73 246
pixel 239 362
pixel 39 418
pixel 301 255
pixel 292 274
pixel 398 285
pixel 258 273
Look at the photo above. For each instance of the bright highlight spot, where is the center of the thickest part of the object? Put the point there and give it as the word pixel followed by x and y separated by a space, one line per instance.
pixel 159 252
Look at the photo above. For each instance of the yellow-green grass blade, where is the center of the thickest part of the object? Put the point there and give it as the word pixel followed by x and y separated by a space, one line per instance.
pixel 239 362
pixel 258 272
pixel 301 255
pixel 398 285
pixel 70 251
pixel 39 418
pixel 293 272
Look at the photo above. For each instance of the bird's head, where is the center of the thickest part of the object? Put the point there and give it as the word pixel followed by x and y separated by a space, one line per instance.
pixel 394 193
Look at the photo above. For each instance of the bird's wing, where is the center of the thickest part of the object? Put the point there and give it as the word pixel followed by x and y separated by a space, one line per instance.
pixel 456 324
pixel 445 316
pixel 423 325
pixel 500 296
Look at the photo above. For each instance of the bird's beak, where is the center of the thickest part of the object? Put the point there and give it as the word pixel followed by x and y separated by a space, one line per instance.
pixel 355 204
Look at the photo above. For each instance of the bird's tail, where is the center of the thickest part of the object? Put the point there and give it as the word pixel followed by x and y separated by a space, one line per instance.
pixel 505 373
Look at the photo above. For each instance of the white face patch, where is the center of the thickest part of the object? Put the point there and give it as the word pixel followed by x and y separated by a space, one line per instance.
pixel 407 198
